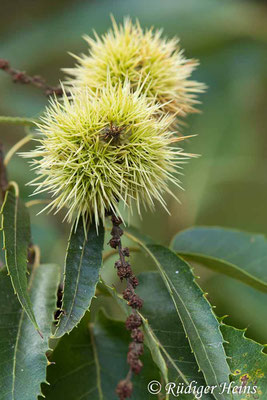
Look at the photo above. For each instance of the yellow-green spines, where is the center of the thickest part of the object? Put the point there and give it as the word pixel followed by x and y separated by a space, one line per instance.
pixel 129 52
pixel 100 149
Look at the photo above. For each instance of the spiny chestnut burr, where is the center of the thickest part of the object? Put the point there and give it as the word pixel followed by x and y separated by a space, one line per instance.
pixel 133 322
pixel 146 153
pixel 160 66
pixel 124 389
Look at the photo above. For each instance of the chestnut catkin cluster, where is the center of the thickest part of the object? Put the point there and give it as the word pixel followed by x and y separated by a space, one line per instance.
pixel 134 321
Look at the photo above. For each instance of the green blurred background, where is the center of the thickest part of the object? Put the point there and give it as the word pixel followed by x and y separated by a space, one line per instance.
pixel 227 185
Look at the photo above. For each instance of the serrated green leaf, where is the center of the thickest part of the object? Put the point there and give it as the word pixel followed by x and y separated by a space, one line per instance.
pixel 195 312
pixel 92 360
pixel 241 255
pixel 166 327
pixel 164 334
pixel 23 351
pixel 247 362
pixel 82 266
pixel 16 238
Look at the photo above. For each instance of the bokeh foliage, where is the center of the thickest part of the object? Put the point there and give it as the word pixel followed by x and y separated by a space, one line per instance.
pixel 227 185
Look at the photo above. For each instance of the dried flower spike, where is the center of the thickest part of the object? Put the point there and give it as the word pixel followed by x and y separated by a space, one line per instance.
pixel 129 52
pixel 88 168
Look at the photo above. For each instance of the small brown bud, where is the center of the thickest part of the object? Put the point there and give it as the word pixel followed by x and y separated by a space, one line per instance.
pixel 4 64
pixel 114 242
pixel 133 322
pixel 137 336
pixel 131 357
pixel 116 232
pixel 124 272
pixel 20 77
pixel 135 302
pixel 58 91
pixel 136 366
pixel 126 252
pixel 134 362
pixel 124 389
pixel 116 220
pixel 134 281
pixel 127 294
pixel 138 348
pixel 118 264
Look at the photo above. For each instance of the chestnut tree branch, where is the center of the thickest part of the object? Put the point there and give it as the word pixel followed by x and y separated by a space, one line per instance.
pixel 35 80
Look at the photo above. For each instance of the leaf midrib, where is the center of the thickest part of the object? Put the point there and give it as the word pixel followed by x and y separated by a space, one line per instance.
pixel 21 296
pixel 17 342
pixel 97 364
pixel 15 354
pixel 187 312
pixel 76 287
pixel 197 332
pixel 15 244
